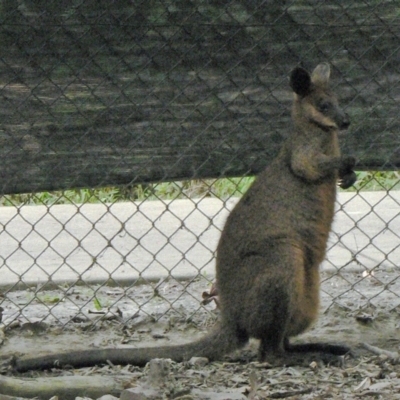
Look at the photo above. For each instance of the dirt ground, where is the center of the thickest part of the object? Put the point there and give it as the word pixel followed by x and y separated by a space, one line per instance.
pixel 364 374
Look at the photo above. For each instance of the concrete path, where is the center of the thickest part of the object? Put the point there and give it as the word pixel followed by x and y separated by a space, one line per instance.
pixel 154 239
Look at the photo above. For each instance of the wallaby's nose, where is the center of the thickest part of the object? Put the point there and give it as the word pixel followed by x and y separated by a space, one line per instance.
pixel 345 123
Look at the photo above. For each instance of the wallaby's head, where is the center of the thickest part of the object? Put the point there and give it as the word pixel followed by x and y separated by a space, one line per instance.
pixel 314 102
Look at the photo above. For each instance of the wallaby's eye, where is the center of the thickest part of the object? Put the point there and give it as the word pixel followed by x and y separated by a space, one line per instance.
pixel 324 106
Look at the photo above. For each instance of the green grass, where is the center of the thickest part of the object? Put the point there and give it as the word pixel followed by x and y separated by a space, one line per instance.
pixel 377 180
pixel 219 188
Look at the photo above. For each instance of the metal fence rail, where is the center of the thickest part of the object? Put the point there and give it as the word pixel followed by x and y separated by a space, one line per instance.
pixel 124 96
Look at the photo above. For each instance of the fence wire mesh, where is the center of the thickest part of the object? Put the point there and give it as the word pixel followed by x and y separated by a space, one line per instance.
pixel 148 107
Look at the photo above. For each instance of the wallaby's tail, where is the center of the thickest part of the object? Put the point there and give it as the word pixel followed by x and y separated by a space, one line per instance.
pixel 212 346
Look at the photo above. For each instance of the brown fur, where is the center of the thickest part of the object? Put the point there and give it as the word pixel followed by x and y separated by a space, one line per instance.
pixel 272 244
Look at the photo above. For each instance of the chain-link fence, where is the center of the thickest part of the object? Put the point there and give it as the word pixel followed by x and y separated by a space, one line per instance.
pixel 118 98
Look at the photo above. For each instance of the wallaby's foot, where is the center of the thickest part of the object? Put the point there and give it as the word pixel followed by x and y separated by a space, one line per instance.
pixel 303 354
pixel 302 359
pixel 268 348
pixel 334 349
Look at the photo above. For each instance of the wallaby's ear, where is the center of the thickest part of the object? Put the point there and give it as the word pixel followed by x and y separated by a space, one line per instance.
pixel 300 81
pixel 320 75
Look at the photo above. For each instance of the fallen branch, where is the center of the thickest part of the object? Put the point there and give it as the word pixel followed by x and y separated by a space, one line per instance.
pixel 65 387
pixel 393 355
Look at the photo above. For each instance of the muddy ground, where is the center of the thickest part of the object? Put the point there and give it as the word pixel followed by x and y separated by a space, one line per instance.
pixel 240 376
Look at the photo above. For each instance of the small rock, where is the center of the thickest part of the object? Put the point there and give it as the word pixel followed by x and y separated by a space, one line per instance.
pixel 35 328
pixel 198 361
pixel 108 397
pixel 158 371
pixel 314 365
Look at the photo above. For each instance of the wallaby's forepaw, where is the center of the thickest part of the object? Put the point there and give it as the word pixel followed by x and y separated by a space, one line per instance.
pixel 347 180
pixel 347 177
pixel 348 163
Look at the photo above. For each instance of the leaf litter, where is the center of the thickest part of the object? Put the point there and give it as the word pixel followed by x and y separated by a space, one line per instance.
pixel 372 372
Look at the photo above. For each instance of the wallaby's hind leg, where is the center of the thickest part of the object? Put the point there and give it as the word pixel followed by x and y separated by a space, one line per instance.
pixel 267 301
pixel 273 342
pixel 281 305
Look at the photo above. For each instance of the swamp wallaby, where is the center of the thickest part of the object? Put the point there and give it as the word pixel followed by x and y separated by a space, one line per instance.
pixel 272 244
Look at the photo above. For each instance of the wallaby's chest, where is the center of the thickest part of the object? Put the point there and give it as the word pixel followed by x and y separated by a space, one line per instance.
pixel 280 204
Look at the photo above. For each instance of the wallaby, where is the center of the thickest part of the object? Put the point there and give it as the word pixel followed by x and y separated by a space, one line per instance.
pixel 271 246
